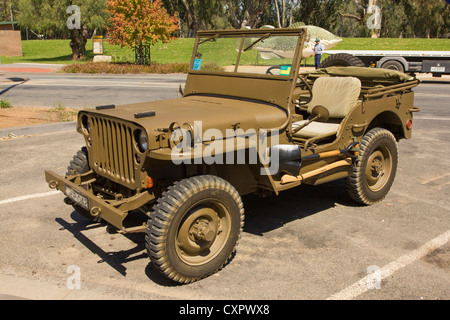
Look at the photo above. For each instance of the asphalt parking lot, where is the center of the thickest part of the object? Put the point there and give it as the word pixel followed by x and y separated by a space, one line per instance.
pixel 307 243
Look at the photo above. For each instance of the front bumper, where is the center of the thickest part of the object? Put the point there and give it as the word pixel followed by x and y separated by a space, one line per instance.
pixel 113 212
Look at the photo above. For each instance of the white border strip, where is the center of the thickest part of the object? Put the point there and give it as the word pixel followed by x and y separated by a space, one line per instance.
pixel 361 286
pixel 31 196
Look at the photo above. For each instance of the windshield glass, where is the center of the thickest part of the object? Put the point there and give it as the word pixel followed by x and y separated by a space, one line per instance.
pixel 254 54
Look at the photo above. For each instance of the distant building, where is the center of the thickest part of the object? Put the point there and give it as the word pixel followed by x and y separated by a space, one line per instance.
pixel 8 25
pixel 10 40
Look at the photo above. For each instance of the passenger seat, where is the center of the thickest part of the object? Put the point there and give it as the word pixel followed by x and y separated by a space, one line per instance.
pixel 339 95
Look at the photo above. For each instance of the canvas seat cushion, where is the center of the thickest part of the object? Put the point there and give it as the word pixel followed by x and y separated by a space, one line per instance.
pixel 338 94
pixel 315 129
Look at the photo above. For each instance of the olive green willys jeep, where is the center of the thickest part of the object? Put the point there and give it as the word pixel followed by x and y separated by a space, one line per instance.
pixel 255 126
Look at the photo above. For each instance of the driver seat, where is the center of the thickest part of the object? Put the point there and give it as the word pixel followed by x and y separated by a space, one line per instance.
pixel 339 95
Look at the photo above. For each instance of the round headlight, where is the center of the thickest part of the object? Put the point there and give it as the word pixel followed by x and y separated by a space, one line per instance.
pixel 143 141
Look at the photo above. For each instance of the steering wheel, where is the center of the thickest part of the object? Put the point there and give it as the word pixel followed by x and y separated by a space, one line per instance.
pixel 269 71
pixel 302 79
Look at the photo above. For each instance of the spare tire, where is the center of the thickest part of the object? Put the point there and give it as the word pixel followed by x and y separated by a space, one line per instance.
pixel 342 60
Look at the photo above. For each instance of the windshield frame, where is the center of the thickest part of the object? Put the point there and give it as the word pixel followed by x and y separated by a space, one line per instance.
pixel 261 34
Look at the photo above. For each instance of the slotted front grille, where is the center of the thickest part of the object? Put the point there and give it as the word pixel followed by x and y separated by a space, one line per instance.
pixel 112 150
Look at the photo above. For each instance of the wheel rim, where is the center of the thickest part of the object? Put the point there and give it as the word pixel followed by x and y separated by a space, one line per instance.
pixel 393 68
pixel 203 233
pixel 378 169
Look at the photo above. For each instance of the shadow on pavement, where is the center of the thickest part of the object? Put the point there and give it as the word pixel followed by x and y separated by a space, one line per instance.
pixel 266 214
pixel 261 215
pixel 17 82
pixel 115 259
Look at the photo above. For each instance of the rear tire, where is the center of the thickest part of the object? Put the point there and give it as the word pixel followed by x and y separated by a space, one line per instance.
pixel 194 228
pixel 342 60
pixel 374 172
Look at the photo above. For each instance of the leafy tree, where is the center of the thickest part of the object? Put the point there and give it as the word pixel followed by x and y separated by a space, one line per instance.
pixel 394 20
pixel 49 17
pixel 5 10
pixel 399 18
pixel 140 23
pixel 322 13
pixel 247 13
pixel 428 18
pixel 285 10
pixel 198 15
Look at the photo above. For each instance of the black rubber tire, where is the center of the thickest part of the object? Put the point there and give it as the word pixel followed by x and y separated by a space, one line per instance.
pixel 80 164
pixel 176 210
pixel 393 65
pixel 342 60
pixel 378 156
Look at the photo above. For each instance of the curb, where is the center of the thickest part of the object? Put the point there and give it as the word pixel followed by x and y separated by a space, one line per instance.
pixel 39 129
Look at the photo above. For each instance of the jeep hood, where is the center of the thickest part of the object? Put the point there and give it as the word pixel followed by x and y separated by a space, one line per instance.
pixel 214 112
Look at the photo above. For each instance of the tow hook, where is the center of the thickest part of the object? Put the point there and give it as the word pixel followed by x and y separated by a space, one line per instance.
pixel 53 184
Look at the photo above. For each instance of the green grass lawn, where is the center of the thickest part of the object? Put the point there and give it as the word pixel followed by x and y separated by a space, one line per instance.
pixel 179 51
pixel 394 44
pixel 43 51
pixel 59 52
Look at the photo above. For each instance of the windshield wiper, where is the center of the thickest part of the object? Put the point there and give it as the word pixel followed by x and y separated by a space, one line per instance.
pixel 256 41
pixel 209 39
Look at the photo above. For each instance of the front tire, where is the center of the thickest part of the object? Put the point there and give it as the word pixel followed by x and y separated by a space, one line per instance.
pixel 194 228
pixel 80 165
pixel 374 172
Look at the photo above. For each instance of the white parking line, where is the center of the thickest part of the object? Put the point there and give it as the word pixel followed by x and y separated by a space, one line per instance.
pixel 435 95
pixel 31 196
pixel 362 286
pixel 432 118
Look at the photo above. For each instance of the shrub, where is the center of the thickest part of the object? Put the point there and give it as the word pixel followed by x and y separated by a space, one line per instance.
pixel 126 68
pixel 4 104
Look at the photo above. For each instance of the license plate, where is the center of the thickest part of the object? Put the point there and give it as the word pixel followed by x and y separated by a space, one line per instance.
pixel 77 197
pixel 437 69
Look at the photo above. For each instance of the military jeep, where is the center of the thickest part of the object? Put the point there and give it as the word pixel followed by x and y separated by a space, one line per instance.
pixel 256 126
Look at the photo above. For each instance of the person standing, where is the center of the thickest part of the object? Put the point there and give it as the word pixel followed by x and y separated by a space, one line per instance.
pixel 318 50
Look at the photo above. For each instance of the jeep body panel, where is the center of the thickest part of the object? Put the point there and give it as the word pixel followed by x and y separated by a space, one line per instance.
pixel 125 177
pixel 218 112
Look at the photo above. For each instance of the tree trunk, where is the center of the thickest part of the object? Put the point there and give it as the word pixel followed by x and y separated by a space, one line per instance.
pixel 255 11
pixel 78 44
pixel 278 13
pixel 192 20
pixel 376 18
pixel 291 11
pixel 373 22
pixel 234 18
pixel 248 14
